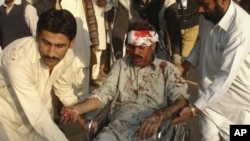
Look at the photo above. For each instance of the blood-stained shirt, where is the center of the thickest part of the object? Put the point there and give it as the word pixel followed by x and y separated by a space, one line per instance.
pixel 139 91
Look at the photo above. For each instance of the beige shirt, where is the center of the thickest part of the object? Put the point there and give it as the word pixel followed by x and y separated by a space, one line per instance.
pixel 99 13
pixel 26 111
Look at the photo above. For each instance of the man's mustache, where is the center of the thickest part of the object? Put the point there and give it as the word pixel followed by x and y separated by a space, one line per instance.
pixel 137 56
pixel 48 57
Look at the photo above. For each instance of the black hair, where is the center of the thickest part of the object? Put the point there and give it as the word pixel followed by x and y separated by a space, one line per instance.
pixel 140 25
pixel 57 21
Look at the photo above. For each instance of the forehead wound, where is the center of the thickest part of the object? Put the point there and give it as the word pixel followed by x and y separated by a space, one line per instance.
pixel 142 38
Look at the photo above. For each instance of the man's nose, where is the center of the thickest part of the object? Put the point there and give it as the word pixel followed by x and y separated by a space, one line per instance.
pixel 137 51
pixel 51 51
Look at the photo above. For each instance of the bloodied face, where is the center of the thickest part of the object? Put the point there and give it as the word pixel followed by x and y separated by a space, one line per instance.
pixel 141 45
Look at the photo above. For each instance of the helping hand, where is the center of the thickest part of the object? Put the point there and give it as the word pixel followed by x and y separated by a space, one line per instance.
pixel 184 115
pixel 179 66
pixel 186 66
pixel 69 115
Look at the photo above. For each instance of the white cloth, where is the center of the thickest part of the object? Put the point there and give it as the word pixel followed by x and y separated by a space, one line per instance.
pixel 1 2
pixel 26 111
pixel 96 67
pixel 100 19
pixel 81 48
pixel 222 55
pixel 82 42
pixel 99 13
pixel 30 15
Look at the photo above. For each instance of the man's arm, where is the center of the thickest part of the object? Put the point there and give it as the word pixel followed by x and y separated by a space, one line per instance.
pixel 99 97
pixel 174 31
pixel 176 91
pixel 63 86
pixel 185 67
pixel 186 113
pixel 72 114
pixel 31 18
pixel 150 126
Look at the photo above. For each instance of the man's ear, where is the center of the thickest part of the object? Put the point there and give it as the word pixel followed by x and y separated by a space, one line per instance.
pixel 153 46
pixel 72 43
pixel 37 36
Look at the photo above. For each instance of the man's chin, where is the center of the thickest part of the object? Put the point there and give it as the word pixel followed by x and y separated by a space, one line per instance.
pixel 139 63
pixel 51 64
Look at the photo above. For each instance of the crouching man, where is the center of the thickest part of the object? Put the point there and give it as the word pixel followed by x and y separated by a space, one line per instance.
pixel 29 69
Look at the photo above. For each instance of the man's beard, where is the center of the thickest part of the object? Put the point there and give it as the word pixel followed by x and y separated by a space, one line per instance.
pixel 215 16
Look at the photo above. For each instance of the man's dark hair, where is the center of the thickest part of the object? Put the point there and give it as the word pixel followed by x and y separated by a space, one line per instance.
pixel 140 25
pixel 57 21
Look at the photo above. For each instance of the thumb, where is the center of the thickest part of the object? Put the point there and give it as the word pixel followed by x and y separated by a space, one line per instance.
pixel 176 120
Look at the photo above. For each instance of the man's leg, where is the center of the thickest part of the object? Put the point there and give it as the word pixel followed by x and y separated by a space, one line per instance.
pixel 96 67
pixel 208 129
pixel 189 36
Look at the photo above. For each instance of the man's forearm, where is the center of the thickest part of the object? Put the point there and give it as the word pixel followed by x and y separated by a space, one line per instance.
pixel 88 105
pixel 172 109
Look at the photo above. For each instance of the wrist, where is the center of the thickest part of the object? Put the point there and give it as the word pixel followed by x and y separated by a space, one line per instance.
pixel 159 115
pixel 177 58
pixel 193 109
pixel 76 111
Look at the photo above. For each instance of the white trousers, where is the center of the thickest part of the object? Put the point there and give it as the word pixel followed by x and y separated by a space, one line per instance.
pixel 96 67
pixel 231 108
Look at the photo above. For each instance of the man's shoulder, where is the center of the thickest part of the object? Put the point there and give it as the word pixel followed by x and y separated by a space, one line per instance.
pixel 159 61
pixel 163 64
pixel 20 48
pixel 69 57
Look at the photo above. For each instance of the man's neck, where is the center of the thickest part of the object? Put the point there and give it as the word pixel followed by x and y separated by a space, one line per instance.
pixel 50 70
pixel 9 2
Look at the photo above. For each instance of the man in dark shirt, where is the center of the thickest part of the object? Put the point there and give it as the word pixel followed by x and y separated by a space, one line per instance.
pixel 17 19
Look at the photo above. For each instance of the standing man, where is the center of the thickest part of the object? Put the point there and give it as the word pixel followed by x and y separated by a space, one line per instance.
pixel 222 57
pixel 100 7
pixel 81 47
pixel 189 19
pixel 18 19
pixel 29 69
